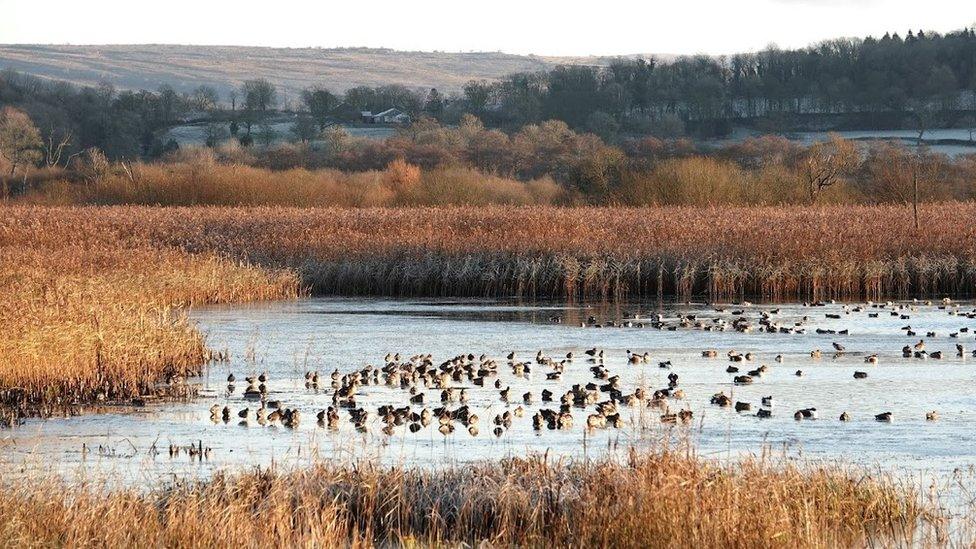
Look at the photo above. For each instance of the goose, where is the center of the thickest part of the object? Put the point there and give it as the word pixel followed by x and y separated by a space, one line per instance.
pixel 721 399
pixel 595 421
pixel 806 413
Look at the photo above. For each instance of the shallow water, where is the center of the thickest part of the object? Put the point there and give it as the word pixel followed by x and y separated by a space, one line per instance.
pixel 287 339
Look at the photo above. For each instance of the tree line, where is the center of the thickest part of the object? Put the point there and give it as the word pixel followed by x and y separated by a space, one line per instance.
pixel 919 81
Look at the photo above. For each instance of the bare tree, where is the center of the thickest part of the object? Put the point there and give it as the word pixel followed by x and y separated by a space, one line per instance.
pixel 899 172
pixel 20 143
pixel 825 163
pixel 924 117
pixel 54 147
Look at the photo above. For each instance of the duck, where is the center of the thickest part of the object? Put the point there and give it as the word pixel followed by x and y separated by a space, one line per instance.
pixel 860 375
pixel 932 416
pixel 884 416
pixel 844 416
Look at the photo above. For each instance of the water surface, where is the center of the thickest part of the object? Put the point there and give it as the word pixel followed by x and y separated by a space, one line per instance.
pixel 287 339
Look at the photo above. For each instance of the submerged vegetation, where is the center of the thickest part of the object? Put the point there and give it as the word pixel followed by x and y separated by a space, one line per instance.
pixel 650 500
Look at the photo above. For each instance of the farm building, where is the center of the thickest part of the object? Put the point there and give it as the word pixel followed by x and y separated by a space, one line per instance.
pixel 389 116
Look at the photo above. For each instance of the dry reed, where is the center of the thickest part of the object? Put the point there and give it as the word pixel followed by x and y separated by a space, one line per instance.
pixel 96 317
pixel 777 253
pixel 650 500
pixel 93 295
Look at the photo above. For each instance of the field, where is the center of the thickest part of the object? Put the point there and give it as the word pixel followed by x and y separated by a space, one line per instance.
pixel 292 69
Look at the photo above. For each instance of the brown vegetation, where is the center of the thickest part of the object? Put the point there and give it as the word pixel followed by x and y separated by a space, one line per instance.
pixel 546 164
pixel 92 294
pixel 652 500
pixel 93 315
pixel 203 182
pixel 777 253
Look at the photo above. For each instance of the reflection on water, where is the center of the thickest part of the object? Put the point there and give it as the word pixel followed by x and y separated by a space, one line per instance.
pixel 288 339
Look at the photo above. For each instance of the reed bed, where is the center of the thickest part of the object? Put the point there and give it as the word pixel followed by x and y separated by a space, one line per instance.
pixel 94 297
pixel 660 499
pixel 92 318
pixel 781 253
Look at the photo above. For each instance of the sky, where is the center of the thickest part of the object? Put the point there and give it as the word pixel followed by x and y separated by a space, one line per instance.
pixel 542 27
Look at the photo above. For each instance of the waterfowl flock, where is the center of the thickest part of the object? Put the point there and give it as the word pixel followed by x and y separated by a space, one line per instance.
pixel 584 389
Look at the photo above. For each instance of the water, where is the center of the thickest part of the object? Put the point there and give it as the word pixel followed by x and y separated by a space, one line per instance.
pixel 287 339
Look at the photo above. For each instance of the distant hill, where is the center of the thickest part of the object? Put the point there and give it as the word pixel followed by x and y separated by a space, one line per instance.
pixel 291 69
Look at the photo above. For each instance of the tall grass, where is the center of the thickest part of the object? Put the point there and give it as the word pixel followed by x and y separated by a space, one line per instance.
pixel 651 500
pixel 93 297
pixel 95 316
pixel 781 253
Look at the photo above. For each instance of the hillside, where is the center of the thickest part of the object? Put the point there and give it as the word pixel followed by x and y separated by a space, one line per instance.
pixel 292 69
